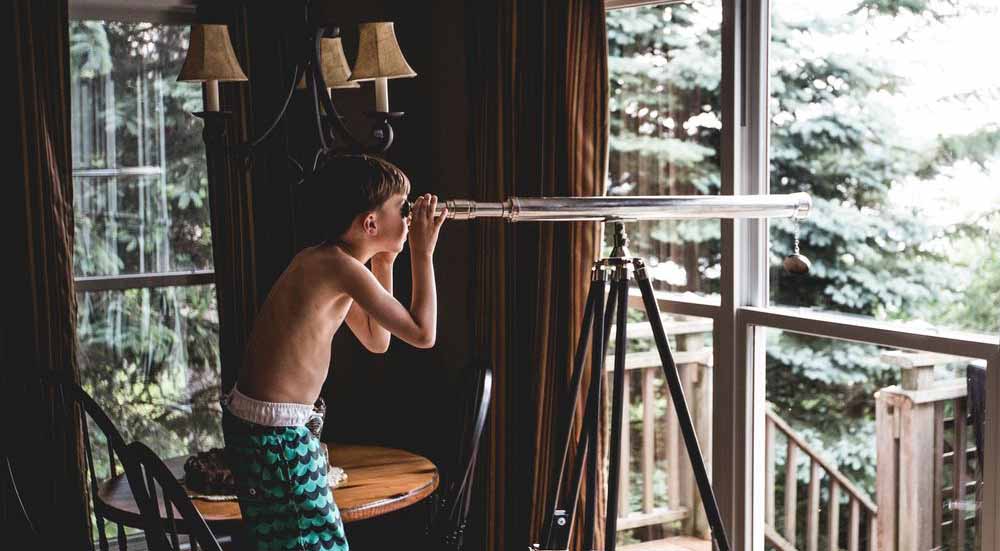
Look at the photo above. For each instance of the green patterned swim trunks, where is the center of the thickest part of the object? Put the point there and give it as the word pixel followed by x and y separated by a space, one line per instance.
pixel 284 495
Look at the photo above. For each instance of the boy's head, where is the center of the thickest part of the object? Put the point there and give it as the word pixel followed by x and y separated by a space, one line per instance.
pixel 355 197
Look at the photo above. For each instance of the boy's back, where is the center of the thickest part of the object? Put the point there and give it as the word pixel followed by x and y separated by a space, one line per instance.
pixel 288 354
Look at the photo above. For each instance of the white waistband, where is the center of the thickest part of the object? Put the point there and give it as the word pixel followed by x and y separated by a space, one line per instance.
pixel 268 414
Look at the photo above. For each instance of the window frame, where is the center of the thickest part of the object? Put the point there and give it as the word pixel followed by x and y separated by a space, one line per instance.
pixel 744 314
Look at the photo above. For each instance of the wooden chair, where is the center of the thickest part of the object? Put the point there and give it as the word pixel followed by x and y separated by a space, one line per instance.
pixel 162 534
pixel 450 511
pixel 71 394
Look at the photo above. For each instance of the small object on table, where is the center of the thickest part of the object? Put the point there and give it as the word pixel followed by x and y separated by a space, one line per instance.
pixel 206 473
pixel 334 475
pixel 208 477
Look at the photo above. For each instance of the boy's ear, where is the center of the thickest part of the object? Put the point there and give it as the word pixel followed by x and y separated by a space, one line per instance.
pixel 368 224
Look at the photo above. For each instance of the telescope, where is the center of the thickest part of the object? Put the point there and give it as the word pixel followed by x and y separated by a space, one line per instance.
pixel 631 209
pixel 618 268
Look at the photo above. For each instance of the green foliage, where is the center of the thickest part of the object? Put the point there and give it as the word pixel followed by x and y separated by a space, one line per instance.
pixel 979 261
pixel 665 69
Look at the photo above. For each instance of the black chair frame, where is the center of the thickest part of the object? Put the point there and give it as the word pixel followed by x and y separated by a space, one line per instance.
pixel 450 510
pixel 70 393
pixel 163 534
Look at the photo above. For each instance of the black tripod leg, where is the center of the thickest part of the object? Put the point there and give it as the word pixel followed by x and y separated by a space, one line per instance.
pixel 597 379
pixel 680 406
pixel 617 406
pixel 565 430
pixel 586 450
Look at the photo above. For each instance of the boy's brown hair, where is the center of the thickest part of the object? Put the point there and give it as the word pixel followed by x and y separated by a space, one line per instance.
pixel 346 186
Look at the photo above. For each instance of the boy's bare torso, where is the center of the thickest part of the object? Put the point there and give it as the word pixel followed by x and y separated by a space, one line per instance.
pixel 288 355
pixel 324 287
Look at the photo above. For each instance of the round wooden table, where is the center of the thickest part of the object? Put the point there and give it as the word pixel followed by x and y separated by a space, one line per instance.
pixel 379 481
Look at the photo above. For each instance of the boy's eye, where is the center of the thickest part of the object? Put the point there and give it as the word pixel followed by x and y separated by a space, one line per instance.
pixel 405 209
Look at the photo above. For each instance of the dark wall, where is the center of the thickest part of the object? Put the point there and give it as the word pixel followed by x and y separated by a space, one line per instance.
pixel 400 398
pixel 409 398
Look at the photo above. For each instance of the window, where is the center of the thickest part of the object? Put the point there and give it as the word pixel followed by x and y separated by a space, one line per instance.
pixel 886 114
pixel 147 319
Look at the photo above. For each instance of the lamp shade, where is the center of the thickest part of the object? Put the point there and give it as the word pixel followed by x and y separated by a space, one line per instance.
pixel 334 65
pixel 210 56
pixel 378 54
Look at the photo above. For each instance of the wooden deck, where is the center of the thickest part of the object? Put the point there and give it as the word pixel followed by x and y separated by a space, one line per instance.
pixel 677 543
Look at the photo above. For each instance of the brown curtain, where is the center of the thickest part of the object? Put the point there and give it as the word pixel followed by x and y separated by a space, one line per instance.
pixel 539 71
pixel 39 314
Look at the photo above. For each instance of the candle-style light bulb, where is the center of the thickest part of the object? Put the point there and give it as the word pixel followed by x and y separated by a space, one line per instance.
pixel 379 59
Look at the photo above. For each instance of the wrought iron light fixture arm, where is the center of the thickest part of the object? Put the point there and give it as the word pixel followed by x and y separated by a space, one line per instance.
pixel 332 134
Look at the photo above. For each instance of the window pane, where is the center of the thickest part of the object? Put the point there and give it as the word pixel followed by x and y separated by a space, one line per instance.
pixel 664 63
pixel 883 111
pixel 140 185
pixel 150 358
pixel 125 224
pixel 661 482
pixel 878 422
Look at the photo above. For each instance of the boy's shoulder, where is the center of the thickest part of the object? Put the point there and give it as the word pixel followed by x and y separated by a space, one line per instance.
pixel 327 261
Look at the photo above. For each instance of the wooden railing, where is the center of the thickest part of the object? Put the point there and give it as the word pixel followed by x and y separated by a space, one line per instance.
pixel 925 485
pixel 862 524
pixel 918 505
pixel 693 356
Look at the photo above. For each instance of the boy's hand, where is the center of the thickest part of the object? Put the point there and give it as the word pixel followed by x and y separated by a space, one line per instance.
pixel 424 226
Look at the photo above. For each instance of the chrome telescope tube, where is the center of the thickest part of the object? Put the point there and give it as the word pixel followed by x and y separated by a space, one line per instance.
pixel 628 209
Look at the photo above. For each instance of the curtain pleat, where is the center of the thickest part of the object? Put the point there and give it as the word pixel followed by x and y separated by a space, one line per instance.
pixel 539 72
pixel 39 312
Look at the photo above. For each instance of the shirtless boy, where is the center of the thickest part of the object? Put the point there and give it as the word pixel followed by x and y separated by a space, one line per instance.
pixel 358 212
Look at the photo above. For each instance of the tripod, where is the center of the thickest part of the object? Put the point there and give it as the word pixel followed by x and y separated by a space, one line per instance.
pixel 597 322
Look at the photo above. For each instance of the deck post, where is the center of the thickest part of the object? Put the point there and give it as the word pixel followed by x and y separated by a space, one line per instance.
pixel 905 445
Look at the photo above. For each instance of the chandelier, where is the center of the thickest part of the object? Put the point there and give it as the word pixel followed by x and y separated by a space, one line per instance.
pixel 320 69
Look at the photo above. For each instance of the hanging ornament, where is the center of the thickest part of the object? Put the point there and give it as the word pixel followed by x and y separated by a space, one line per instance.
pixel 796 263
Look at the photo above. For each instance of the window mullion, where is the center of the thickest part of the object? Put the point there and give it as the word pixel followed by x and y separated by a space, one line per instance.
pixel 739 388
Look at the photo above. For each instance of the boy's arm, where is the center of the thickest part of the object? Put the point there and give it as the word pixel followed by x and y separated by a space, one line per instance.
pixel 416 329
pixel 418 325
pixel 372 335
